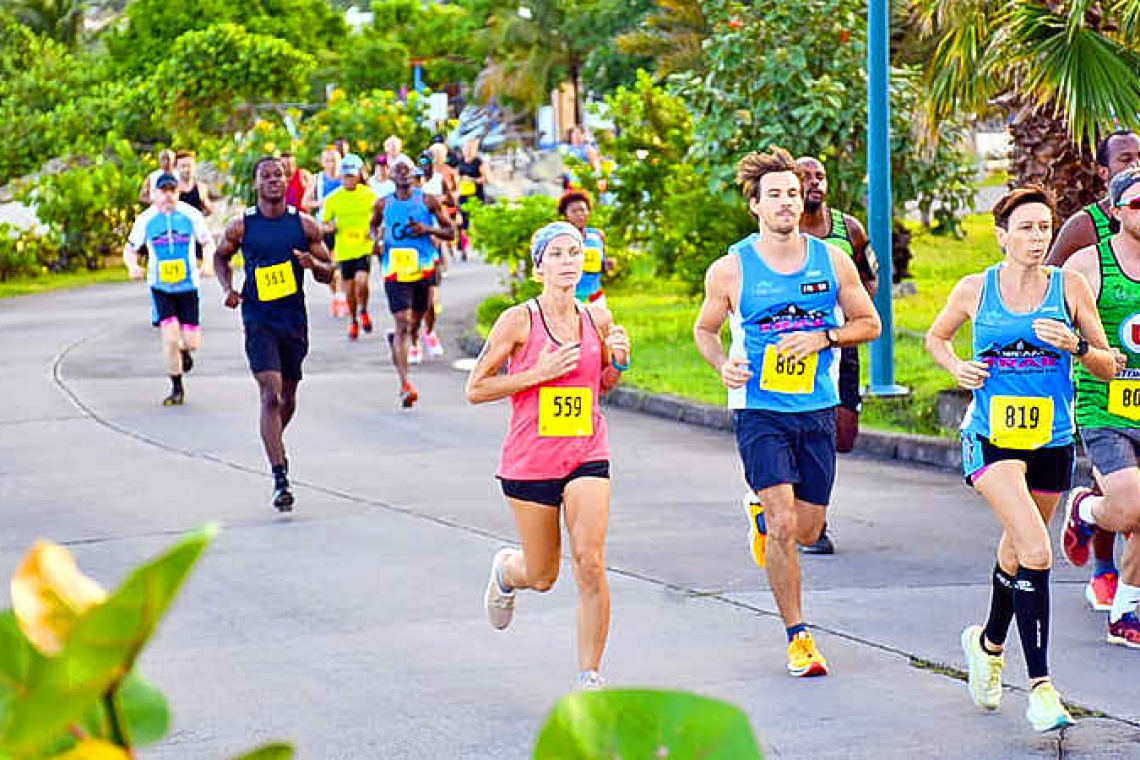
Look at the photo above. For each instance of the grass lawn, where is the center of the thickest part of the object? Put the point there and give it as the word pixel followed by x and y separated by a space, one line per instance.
pixel 659 317
pixel 22 286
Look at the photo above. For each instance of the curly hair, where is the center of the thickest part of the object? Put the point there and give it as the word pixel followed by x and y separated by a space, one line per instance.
pixel 754 166
pixel 570 196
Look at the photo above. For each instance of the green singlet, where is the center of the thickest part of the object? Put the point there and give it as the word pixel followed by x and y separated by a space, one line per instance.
pixel 1101 221
pixel 1119 306
pixel 839 236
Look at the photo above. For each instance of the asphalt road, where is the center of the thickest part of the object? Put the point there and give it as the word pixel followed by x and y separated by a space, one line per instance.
pixel 355 627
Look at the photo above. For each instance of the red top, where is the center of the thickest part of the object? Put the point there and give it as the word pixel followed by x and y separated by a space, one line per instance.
pixel 295 190
pixel 527 455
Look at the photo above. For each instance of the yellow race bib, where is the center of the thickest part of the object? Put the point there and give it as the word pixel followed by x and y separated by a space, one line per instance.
pixel 565 412
pixel 405 263
pixel 783 374
pixel 1124 398
pixel 1021 422
pixel 466 188
pixel 172 271
pixel 276 281
pixel 591 260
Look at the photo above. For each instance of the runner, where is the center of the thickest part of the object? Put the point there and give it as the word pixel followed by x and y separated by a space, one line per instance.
pixel 403 222
pixel 450 198
pixel 585 151
pixel 298 181
pixel 1094 224
pixel 322 186
pixel 171 232
pixel 165 166
pixel 278 244
pixel 780 290
pixel 432 185
pixel 347 213
pixel 473 178
pixel 380 182
pixel 190 190
pixel 574 206
pixel 560 357
pixel 394 150
pixel 845 233
pixel 1108 414
pixel 1017 436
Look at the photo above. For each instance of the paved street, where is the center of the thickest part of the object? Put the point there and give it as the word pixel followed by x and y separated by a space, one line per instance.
pixel 355 627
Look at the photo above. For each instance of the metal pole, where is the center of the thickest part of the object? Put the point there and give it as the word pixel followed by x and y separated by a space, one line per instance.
pixel 879 205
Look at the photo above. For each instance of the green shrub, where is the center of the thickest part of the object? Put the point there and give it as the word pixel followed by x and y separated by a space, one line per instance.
pixel 492 308
pixel 502 231
pixel 24 253
pixel 366 121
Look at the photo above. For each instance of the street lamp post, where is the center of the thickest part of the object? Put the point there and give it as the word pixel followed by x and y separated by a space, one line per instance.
pixel 879 205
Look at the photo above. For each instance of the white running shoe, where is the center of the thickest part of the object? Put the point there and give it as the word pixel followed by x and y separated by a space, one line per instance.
pixel 984 670
pixel 1045 711
pixel 500 606
pixel 415 355
pixel 589 680
pixel 434 345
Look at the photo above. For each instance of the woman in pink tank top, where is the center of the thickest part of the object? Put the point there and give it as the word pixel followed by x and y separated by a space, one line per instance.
pixel 561 357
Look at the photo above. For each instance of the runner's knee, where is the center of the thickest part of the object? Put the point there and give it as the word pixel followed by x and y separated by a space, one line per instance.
pixel 588 567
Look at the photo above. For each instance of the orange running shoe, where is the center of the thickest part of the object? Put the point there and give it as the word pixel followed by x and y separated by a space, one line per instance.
pixel 366 321
pixel 408 396
pixel 353 331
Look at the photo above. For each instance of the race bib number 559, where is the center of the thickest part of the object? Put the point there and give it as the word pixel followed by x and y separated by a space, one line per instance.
pixel 565 412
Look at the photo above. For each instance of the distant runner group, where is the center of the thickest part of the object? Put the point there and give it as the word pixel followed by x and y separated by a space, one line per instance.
pixel 1055 354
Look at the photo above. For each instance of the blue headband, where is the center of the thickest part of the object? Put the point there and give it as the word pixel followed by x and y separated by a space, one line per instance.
pixel 542 238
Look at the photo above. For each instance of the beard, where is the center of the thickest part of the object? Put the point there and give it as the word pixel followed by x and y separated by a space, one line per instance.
pixel 812 206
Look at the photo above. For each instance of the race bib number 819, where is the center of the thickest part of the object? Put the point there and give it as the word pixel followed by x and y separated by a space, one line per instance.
pixel 1021 422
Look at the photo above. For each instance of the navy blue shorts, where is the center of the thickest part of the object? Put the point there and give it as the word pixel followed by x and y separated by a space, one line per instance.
pixel 783 447
pixel 270 349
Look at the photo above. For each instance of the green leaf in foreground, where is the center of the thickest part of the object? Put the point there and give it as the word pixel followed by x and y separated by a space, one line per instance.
pixel 101 650
pixel 269 752
pixel 643 723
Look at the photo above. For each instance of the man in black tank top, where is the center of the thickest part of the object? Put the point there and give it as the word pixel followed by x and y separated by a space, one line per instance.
pixel 278 244
pixel 190 190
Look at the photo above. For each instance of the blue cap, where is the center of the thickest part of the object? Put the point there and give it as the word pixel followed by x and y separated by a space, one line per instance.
pixel 351 164
pixel 166 181
pixel 1120 183
pixel 542 238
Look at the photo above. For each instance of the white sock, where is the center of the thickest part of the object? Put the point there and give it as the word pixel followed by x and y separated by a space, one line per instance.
pixel 1125 601
pixel 1084 509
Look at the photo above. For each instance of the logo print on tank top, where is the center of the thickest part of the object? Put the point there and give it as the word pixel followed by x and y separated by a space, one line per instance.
pixel 1019 356
pixel 792 317
pixel 1130 333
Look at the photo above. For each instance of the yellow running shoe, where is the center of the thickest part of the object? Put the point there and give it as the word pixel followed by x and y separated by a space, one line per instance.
pixel 1045 711
pixel 757 532
pixel 804 660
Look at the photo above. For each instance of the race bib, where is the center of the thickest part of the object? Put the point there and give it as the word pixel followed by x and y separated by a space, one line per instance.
pixel 172 271
pixel 591 260
pixel 1124 398
pixel 466 188
pixel 1021 422
pixel 353 237
pixel 405 263
pixel 781 373
pixel 276 281
pixel 565 412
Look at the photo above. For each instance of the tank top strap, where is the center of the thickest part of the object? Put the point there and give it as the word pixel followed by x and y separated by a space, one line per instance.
pixel 1100 220
pixel 991 290
pixel 1108 263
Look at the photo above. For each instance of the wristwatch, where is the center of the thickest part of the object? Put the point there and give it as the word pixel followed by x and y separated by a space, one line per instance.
pixel 1082 347
pixel 829 333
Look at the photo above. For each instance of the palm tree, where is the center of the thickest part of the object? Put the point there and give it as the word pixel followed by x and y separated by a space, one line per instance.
pixel 672 34
pixel 1063 71
pixel 534 44
pixel 61 20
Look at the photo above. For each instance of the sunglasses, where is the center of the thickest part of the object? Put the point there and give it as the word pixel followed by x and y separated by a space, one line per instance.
pixel 1133 204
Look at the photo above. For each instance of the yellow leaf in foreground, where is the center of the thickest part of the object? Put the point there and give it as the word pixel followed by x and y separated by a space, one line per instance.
pixel 49 594
pixel 94 749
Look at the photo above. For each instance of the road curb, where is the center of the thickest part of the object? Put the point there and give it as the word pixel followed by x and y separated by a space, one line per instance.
pixel 911 448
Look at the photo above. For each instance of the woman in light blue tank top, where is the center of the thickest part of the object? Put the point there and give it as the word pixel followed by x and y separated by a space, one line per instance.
pixel 1017 436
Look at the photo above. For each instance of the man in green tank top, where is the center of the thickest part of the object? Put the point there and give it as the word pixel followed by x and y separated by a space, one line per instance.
pixel 847 234
pixel 1108 414
pixel 1094 224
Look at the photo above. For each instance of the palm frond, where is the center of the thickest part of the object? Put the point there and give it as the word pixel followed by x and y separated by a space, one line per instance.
pixel 1127 16
pixel 1089 78
pixel 959 76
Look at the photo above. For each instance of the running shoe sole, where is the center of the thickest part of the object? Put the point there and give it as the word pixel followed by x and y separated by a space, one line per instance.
pixel 1075 551
pixel 811 671
pixel 174 399
pixel 499 617
pixel 283 500
pixel 409 398
pixel 1113 638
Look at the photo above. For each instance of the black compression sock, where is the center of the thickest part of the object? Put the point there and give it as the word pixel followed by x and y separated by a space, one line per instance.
pixel 280 473
pixel 1001 609
pixel 176 383
pixel 1031 606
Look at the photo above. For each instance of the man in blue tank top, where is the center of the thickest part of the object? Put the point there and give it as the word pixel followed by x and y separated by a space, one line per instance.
pixel 403 231
pixel 779 290
pixel 278 243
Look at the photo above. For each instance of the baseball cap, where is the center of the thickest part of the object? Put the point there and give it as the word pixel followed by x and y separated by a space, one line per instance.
pixel 166 181
pixel 351 164
pixel 1120 183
